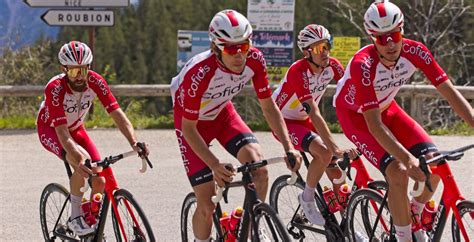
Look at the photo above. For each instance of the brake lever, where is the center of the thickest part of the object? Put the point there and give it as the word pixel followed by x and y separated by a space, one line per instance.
pixel 425 170
pixel 141 145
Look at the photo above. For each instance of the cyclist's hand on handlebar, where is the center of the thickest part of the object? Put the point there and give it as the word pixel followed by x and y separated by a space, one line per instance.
pixel 353 153
pixel 223 173
pixel 414 171
pixel 83 170
pixel 293 160
pixel 141 152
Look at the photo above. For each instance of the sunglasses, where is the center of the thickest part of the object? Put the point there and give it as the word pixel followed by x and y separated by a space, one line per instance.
pixel 319 48
pixel 395 37
pixel 75 71
pixel 234 49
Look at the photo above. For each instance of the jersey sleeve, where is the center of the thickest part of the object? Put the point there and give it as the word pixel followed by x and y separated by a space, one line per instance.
pixel 337 68
pixel 98 84
pixel 424 60
pixel 195 83
pixel 54 99
pixel 363 91
pixel 260 79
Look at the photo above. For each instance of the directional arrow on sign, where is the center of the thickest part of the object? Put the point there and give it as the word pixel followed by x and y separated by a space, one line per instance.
pixel 76 3
pixel 79 17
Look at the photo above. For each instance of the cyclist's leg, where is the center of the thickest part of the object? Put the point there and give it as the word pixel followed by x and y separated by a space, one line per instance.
pixel 417 141
pixel 355 128
pixel 82 138
pixel 199 175
pixel 239 141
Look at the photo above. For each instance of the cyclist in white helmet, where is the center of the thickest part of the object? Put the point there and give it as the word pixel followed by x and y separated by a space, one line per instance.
pixel 371 118
pixel 203 111
pixel 298 97
pixel 60 123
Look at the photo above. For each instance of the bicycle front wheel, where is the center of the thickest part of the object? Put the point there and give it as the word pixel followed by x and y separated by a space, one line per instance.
pixel 268 225
pixel 284 199
pixel 133 224
pixel 466 211
pixel 362 211
pixel 55 206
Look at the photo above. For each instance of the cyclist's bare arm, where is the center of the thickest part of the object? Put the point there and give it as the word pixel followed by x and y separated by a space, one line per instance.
pixel 76 157
pixel 124 125
pixel 385 138
pixel 460 105
pixel 199 146
pixel 321 126
pixel 277 124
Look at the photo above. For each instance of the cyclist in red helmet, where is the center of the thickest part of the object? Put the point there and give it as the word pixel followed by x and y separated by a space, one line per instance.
pixel 371 118
pixel 60 123
pixel 203 111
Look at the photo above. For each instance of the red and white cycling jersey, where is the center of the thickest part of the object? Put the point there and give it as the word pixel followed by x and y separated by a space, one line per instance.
pixel 368 84
pixel 64 106
pixel 301 84
pixel 204 86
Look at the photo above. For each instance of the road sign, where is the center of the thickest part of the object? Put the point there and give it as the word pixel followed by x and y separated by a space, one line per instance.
pixel 79 17
pixel 76 3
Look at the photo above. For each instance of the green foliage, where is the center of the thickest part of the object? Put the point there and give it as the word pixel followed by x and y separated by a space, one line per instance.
pixel 460 128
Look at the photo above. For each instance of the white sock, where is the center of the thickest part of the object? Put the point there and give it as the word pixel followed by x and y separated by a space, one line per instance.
pixel 202 240
pixel 308 193
pixel 417 206
pixel 76 202
pixel 403 233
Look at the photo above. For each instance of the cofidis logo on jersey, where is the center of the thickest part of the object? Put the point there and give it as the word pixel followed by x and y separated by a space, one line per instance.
pixel 227 91
pixel 196 79
pixel 419 51
pixel 365 67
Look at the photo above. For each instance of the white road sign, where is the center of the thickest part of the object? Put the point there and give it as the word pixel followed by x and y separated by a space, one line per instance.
pixel 79 17
pixel 76 3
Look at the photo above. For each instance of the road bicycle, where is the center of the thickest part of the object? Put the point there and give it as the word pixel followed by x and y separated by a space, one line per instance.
pixel 259 220
pixel 128 219
pixel 284 198
pixel 451 199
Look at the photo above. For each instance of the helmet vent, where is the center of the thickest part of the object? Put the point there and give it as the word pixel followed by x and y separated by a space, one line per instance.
pixel 394 18
pixel 223 32
pixel 373 23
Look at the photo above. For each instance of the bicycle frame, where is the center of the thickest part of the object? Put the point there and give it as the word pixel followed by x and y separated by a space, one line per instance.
pixel 449 200
pixel 361 180
pixel 111 186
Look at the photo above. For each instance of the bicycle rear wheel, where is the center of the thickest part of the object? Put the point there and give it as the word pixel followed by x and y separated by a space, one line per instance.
pixel 362 210
pixel 55 207
pixel 284 199
pixel 268 225
pixel 135 224
pixel 466 211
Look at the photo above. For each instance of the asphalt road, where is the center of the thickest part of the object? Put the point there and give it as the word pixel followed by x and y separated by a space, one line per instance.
pixel 26 168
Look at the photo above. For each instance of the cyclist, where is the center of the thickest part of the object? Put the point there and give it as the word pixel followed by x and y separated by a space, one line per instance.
pixel 60 123
pixel 370 117
pixel 297 97
pixel 203 111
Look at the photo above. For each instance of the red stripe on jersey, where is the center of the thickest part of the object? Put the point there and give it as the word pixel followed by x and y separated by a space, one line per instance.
pixel 232 18
pixel 381 9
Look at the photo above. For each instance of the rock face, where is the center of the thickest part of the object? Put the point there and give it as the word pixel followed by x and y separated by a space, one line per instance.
pixel 21 25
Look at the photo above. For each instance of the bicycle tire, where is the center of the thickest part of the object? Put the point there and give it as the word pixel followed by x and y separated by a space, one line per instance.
pixel 361 198
pixel 284 199
pixel 52 201
pixel 465 208
pixel 274 229
pixel 140 229
pixel 189 205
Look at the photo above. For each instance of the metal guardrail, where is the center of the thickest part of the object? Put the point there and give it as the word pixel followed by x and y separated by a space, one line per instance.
pixel 414 92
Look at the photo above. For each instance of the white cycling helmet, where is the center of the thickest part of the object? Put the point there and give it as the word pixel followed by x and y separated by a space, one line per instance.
pixel 382 16
pixel 75 53
pixel 229 26
pixel 312 34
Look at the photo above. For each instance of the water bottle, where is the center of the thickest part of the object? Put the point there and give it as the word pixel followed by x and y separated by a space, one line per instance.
pixel 234 221
pixel 343 195
pixel 96 204
pixel 415 219
pixel 86 210
pixel 225 226
pixel 428 214
pixel 331 200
